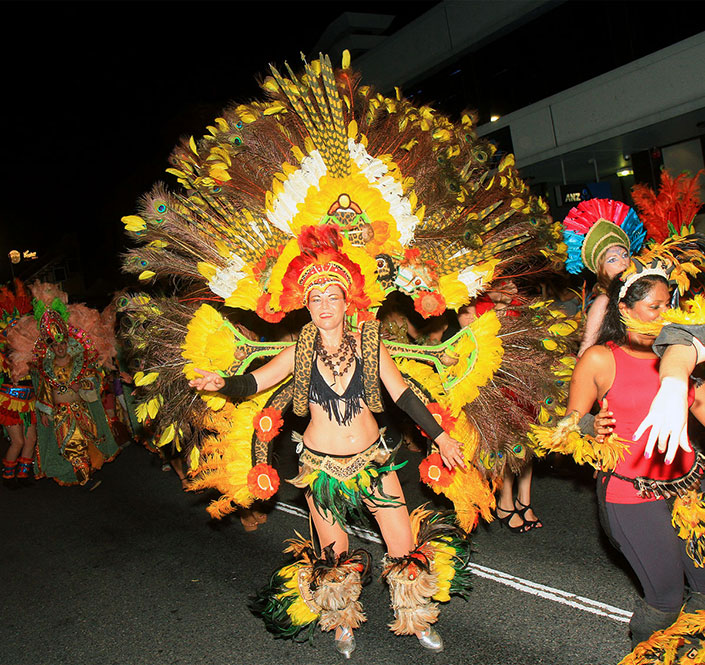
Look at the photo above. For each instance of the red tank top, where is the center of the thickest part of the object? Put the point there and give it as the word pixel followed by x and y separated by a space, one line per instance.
pixel 636 382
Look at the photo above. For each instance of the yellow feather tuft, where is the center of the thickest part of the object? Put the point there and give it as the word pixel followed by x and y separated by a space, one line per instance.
pixel 209 343
pixel 688 517
pixel 208 270
pixel 226 458
pixel 650 328
pixel 692 312
pixel 566 438
pixel 167 436
pixel 134 223
pixel 663 645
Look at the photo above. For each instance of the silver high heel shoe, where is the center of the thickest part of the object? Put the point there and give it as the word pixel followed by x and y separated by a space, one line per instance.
pixel 345 644
pixel 430 639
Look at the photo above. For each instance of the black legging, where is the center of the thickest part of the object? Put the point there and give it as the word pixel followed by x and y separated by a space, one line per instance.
pixel 655 552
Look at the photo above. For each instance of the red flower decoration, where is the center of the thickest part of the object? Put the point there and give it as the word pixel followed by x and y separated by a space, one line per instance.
pixel 428 304
pixel 268 423
pixel 264 311
pixel 263 481
pixel 443 417
pixel 433 473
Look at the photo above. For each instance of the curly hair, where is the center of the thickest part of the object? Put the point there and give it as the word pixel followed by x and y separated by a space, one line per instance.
pixel 613 328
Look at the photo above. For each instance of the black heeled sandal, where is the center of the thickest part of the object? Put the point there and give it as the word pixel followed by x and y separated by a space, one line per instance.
pixel 504 521
pixel 521 511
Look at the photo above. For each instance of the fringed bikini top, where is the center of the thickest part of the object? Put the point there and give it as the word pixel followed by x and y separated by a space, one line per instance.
pixel 350 402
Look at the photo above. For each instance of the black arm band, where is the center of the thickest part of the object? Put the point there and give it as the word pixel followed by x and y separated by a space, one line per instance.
pixel 415 408
pixel 239 386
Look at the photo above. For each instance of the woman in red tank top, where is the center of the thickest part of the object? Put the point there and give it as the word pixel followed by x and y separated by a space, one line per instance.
pixel 621 373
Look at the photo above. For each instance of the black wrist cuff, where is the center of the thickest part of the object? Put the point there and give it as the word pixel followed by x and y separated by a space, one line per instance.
pixel 587 424
pixel 416 409
pixel 239 386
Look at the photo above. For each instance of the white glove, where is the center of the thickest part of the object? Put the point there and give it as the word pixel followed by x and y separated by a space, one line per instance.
pixel 668 420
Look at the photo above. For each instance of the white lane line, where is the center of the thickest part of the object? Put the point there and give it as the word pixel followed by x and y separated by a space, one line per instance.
pixel 550 593
pixel 526 586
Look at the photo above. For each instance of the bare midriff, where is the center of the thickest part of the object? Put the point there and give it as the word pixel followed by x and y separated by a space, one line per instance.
pixel 327 436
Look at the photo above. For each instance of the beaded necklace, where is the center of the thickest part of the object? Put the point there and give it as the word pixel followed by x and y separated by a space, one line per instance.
pixel 340 361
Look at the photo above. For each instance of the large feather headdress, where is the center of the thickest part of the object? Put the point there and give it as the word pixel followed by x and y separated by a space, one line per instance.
pixel 329 182
pixel 401 185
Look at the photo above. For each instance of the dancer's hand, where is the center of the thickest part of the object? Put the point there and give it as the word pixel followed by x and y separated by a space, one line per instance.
pixel 668 420
pixel 44 418
pixel 207 381
pixel 604 422
pixel 451 451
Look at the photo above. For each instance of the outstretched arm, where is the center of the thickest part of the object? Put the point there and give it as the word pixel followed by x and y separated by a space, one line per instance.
pixel 263 378
pixel 404 397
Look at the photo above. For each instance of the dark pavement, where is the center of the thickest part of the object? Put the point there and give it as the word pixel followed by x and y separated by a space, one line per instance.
pixel 136 573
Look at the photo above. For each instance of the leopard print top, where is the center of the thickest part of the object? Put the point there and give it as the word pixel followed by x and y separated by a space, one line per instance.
pixel 305 357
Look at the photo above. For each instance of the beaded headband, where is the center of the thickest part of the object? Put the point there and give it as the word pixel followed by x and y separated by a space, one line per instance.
pixel 320 276
pixel 658 269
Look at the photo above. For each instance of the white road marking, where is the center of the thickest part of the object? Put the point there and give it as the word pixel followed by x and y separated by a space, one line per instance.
pixel 526 586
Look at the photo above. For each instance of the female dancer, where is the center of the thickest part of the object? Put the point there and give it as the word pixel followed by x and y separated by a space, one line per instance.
pixel 600 235
pixel 623 369
pixel 514 512
pixel 17 415
pixel 613 261
pixel 342 427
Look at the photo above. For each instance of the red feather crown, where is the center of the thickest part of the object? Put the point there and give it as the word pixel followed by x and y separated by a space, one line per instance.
pixel 321 264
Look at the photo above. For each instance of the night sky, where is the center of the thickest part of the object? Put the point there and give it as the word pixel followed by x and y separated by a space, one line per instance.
pixel 96 95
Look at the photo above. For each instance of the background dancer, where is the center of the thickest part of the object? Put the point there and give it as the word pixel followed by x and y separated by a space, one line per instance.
pixel 17 415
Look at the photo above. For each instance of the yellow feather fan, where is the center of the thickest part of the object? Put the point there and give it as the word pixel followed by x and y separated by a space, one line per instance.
pixel 472 495
pixel 226 457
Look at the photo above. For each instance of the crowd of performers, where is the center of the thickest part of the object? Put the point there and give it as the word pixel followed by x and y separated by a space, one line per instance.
pixel 58 402
pixel 323 211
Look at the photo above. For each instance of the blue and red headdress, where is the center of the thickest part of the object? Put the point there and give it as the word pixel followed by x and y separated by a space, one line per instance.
pixel 595 225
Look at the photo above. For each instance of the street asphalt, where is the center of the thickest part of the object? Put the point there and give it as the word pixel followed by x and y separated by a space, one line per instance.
pixel 136 573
